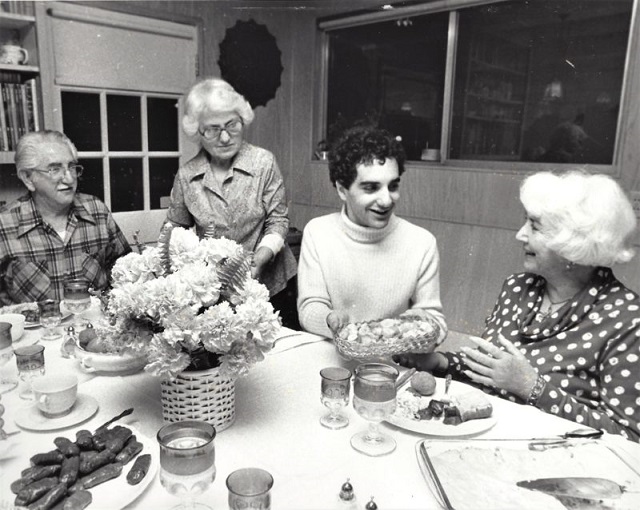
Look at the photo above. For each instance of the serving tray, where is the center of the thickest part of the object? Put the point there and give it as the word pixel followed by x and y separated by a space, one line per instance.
pixel 481 474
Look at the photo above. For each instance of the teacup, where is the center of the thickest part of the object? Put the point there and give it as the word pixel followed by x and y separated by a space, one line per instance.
pixel 10 54
pixel 55 394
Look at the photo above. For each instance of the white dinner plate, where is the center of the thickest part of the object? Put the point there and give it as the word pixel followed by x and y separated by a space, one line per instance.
pixel 436 426
pixel 117 493
pixel 30 418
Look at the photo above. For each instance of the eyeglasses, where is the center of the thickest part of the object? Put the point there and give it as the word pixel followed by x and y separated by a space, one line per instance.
pixel 58 171
pixel 233 127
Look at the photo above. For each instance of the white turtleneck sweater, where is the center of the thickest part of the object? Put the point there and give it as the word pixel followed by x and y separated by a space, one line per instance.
pixel 366 272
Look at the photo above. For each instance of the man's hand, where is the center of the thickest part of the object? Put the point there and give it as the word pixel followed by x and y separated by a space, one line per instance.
pixel 424 362
pixel 261 258
pixel 506 369
pixel 337 320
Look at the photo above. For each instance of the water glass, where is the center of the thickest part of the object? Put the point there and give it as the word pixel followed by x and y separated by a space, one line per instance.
pixel 250 488
pixel 7 381
pixel 335 387
pixel 77 299
pixel 187 460
pixel 50 318
pixel 374 398
pixel 30 361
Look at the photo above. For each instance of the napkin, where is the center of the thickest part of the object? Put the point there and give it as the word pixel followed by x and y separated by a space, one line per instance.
pixel 290 339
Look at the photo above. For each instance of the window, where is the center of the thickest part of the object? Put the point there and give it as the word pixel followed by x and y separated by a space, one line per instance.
pixel 128 144
pixel 530 81
pixel 117 97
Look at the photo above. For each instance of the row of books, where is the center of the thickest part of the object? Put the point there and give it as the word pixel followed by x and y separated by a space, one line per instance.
pixel 17 7
pixel 18 112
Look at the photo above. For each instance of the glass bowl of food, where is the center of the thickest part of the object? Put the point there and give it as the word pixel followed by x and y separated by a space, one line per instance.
pixel 386 337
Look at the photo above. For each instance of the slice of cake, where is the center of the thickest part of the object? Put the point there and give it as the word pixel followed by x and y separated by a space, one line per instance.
pixel 472 405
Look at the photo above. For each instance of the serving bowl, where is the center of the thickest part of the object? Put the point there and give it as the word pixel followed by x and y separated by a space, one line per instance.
pixel 382 338
pixel 115 363
pixel 17 321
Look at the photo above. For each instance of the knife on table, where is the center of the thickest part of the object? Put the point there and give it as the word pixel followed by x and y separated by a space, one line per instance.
pixel 576 492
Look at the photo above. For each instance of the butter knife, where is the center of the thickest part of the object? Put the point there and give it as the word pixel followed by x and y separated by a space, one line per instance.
pixel 435 478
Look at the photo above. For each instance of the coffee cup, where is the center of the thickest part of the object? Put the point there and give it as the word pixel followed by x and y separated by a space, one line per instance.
pixel 11 54
pixel 55 394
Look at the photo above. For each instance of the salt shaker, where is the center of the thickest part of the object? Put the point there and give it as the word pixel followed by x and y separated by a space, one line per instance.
pixel 348 497
pixel 69 343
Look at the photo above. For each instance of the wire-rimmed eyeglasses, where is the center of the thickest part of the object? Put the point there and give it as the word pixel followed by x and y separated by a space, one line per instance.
pixel 58 171
pixel 233 127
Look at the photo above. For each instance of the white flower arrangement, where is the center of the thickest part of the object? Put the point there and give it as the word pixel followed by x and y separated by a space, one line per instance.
pixel 189 304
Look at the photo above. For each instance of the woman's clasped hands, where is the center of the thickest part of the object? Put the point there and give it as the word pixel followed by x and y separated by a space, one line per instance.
pixel 506 369
pixel 487 364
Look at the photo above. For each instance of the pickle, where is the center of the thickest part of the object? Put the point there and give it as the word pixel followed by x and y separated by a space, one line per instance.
pixel 139 469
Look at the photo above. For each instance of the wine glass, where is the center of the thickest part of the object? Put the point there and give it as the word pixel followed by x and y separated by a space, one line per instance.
pixel 50 318
pixel 335 386
pixel 187 460
pixel 7 382
pixel 374 398
pixel 77 299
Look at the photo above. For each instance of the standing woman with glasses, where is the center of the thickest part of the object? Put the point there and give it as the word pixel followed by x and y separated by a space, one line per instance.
pixel 52 233
pixel 232 188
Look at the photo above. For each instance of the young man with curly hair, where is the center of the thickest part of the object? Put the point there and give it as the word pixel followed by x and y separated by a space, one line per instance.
pixel 365 263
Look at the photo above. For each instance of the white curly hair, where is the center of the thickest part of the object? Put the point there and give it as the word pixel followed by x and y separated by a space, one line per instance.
pixel 213 95
pixel 588 217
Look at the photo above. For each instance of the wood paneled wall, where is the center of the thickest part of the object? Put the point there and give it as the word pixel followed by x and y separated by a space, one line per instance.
pixel 473 213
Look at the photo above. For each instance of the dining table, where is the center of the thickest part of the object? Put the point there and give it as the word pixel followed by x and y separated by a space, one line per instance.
pixel 276 428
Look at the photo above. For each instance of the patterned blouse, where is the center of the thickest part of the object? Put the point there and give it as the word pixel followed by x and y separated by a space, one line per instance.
pixel 249 204
pixel 587 351
pixel 35 261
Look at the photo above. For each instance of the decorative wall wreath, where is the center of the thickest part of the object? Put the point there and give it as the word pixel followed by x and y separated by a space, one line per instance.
pixel 250 61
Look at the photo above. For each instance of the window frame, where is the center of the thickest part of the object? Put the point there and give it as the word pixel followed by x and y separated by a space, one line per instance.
pixel 390 13
pixel 105 154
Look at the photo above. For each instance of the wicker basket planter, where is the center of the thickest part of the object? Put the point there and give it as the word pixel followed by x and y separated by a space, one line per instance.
pixel 200 395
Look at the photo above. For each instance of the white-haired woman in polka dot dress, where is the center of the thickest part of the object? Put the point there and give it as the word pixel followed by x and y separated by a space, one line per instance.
pixel 565 335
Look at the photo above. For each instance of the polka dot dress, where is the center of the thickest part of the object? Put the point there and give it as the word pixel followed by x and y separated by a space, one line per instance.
pixel 588 351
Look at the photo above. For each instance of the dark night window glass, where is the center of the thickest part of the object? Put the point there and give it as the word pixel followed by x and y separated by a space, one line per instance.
pixel 389 73
pixel 161 174
pixel 540 81
pixel 81 119
pixel 123 118
pixel 162 115
pixel 126 184
pixel 91 181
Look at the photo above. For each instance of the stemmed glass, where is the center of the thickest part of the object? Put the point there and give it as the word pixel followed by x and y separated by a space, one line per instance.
pixel 50 318
pixel 7 383
pixel 335 387
pixel 77 299
pixel 187 460
pixel 374 398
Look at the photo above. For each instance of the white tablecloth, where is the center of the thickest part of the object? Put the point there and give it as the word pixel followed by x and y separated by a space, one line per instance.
pixel 277 428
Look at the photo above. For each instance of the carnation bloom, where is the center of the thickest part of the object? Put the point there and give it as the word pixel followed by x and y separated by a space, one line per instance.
pixel 171 316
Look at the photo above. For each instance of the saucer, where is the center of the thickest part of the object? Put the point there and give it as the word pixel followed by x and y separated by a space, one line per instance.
pixel 31 418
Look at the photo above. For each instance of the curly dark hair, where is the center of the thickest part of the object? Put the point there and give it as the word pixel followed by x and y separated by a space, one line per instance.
pixel 362 145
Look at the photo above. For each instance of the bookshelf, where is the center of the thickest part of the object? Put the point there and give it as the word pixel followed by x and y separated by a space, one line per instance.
pixel 19 83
